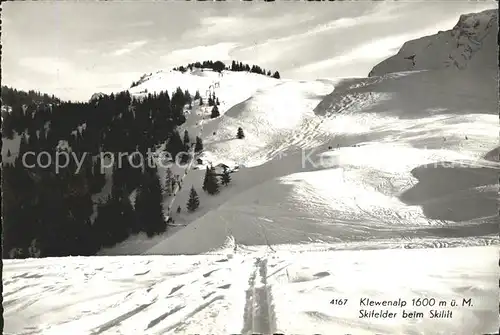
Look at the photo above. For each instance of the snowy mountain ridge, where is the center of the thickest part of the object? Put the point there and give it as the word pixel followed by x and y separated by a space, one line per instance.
pixel 227 83
pixel 470 44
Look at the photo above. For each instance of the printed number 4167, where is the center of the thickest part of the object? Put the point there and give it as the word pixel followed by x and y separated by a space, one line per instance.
pixel 339 302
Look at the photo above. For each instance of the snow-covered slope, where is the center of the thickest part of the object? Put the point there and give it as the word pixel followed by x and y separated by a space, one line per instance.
pixel 254 293
pixel 397 136
pixel 472 43
pixel 399 158
pixel 269 110
pixel 274 119
pixel 403 156
pixel 231 87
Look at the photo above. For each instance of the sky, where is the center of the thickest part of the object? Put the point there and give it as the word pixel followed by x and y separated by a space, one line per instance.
pixel 74 49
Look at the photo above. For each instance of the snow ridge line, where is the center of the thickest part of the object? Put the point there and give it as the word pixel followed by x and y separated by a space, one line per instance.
pixel 259 316
pixel 190 164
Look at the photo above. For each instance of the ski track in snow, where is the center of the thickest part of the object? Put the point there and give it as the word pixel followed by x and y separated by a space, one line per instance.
pixel 259 316
pixel 383 134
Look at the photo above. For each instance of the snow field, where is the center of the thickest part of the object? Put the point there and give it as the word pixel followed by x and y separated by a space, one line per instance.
pixel 257 291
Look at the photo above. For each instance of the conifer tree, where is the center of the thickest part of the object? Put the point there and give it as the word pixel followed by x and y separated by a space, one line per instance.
pixel 197 95
pixel 199 145
pixel 193 202
pixel 175 144
pixel 225 178
pixel 168 182
pixel 240 134
pixel 186 140
pixel 127 218
pixel 104 226
pixel 187 96
pixel 215 112
pixel 115 220
pixel 211 183
pixel 133 172
pixel 148 204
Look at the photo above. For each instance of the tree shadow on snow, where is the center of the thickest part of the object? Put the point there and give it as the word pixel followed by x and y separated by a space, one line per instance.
pixel 493 155
pixel 454 193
